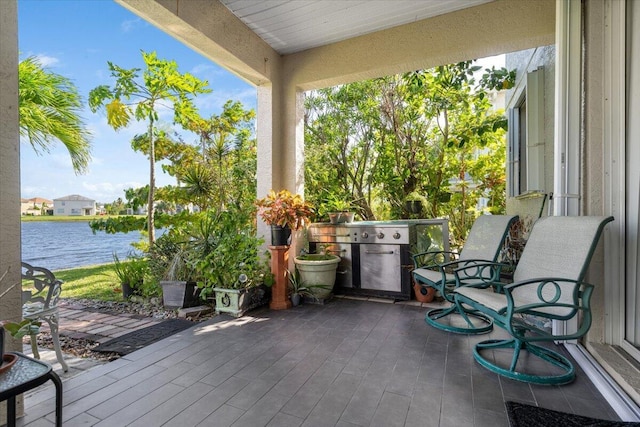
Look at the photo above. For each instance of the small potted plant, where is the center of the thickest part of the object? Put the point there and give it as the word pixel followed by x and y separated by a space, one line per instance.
pixel 338 210
pixel 415 202
pixel 299 289
pixel 284 212
pixel 131 273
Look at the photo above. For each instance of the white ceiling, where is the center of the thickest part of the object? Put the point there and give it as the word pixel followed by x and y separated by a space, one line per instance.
pixel 290 26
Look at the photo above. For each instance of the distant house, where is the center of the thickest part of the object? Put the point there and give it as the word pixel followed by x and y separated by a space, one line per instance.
pixel 35 206
pixel 74 205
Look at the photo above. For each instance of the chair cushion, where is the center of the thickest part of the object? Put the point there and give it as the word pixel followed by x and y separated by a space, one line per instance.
pixel 487 297
pixel 433 276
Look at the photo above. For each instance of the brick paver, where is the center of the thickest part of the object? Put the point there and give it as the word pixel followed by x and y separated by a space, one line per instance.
pixel 78 323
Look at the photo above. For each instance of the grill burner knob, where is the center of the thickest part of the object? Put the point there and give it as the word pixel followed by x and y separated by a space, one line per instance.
pixel 396 235
pixel 381 235
pixel 365 235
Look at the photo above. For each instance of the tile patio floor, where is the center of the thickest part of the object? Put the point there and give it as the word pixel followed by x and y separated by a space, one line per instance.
pixel 347 363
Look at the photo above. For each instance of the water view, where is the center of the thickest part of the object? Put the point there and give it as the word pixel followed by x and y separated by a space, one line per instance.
pixel 59 245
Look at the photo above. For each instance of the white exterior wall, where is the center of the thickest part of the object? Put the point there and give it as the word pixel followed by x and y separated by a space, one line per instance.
pixel 74 207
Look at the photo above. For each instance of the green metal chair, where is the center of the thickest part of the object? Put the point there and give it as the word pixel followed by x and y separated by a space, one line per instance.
pixel 547 286
pixel 435 269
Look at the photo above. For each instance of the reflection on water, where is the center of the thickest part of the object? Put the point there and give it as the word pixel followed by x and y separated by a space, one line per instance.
pixel 57 245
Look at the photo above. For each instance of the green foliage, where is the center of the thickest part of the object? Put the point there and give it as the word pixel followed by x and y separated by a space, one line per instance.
pixel 49 108
pixel 378 142
pixel 133 271
pixel 220 171
pixel 135 96
pixel 233 261
pixel 284 209
pixel 19 330
pixel 298 286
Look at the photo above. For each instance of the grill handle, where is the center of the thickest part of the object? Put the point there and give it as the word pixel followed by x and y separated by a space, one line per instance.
pixel 379 252
pixel 332 235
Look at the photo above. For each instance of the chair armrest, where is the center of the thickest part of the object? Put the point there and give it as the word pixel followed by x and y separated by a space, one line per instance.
pixel 431 259
pixel 551 298
pixel 479 274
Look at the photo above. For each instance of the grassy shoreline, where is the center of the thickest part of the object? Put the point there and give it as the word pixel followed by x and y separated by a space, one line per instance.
pixel 58 218
pixel 97 282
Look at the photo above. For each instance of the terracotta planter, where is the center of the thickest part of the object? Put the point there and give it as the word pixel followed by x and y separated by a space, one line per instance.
pixel 424 293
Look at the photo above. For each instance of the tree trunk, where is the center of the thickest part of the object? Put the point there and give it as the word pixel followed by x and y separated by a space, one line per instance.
pixel 152 186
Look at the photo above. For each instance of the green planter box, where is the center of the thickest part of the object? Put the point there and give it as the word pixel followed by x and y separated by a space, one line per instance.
pixel 236 302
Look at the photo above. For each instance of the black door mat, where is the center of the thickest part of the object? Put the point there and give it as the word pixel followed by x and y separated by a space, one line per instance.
pixel 136 340
pixel 522 415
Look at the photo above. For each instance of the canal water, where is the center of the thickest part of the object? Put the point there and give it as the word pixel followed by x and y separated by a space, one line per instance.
pixel 59 245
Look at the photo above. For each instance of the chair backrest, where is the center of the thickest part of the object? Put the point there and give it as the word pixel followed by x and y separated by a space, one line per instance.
pixel 560 246
pixel 46 288
pixel 486 237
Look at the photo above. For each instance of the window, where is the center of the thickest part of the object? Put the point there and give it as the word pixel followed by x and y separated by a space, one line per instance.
pixel 525 157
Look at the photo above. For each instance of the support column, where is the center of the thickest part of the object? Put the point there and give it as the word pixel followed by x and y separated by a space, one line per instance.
pixel 279 266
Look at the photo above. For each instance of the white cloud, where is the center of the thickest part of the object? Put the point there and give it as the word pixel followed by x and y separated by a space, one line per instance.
pixel 130 25
pixel 46 60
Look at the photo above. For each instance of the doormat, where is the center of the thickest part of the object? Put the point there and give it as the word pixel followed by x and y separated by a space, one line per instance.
pixel 136 340
pixel 522 415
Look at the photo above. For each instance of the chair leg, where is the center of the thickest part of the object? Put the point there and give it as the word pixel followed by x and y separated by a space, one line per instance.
pixel 53 326
pixel 482 324
pixel 566 376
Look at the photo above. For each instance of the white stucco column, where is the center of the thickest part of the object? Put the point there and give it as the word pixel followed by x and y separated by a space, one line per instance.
pixel 10 304
pixel 280 133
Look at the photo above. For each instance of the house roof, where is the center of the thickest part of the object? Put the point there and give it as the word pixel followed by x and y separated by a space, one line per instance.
pixel 38 200
pixel 74 197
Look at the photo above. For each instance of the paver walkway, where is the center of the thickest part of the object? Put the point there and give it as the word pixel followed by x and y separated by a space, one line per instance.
pixel 79 322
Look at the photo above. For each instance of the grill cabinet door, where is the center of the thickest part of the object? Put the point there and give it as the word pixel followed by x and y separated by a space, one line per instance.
pixel 380 267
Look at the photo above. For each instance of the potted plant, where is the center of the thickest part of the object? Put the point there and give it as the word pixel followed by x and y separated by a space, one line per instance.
pixel 298 289
pixel 131 273
pixel 318 272
pixel 170 263
pixel 415 202
pixel 233 270
pixel 284 212
pixel 338 210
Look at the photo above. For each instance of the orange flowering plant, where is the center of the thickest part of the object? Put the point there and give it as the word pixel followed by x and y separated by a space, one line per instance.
pixel 283 208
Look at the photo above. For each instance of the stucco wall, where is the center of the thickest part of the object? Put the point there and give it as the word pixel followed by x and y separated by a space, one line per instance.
pixel 10 304
pixel 10 307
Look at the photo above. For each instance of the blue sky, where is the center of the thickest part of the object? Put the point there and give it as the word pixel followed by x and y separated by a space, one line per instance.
pixel 76 39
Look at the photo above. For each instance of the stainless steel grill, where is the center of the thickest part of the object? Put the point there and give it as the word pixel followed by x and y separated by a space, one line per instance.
pixel 376 255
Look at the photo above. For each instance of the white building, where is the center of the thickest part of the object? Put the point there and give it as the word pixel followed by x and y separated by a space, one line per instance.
pixel 74 205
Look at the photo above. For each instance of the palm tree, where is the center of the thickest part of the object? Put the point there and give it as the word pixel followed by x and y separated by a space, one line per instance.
pixel 49 108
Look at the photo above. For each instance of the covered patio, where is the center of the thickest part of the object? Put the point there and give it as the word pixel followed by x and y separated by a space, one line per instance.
pixel 356 362
pixel 346 363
